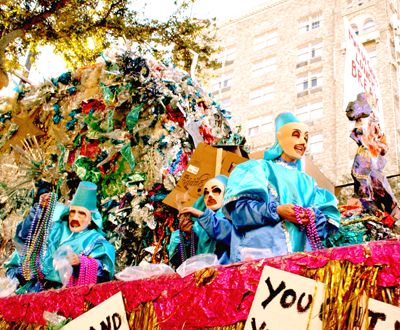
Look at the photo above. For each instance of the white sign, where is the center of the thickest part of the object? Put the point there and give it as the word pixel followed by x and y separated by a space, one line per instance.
pixel 382 316
pixel 285 301
pixel 359 75
pixel 110 315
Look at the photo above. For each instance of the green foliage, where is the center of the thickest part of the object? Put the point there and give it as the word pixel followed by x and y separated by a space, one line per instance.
pixel 70 25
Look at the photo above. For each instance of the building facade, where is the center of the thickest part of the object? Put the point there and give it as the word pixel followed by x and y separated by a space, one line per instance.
pixel 289 55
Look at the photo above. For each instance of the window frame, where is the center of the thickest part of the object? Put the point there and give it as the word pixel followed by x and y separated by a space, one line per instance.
pixel 355 29
pixel 221 80
pixel 264 66
pixel 309 110
pixel 369 28
pixel 223 56
pixel 262 95
pixel 307 55
pixel 265 124
pixel 310 23
pixel 228 107
pixel 311 142
pixel 373 59
pixel 266 39
pixel 309 80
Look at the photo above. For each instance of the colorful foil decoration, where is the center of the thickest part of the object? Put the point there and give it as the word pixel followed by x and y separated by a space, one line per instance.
pixel 120 124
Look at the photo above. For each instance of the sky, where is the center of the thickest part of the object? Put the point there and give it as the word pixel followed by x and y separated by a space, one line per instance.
pixel 51 65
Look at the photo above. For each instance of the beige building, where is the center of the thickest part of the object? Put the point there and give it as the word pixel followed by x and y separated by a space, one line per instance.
pixel 289 55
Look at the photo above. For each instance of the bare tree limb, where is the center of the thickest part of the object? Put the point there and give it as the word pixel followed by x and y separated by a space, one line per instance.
pixel 9 37
pixel 55 6
pixel 4 42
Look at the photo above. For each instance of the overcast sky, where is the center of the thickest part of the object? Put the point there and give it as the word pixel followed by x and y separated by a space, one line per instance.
pixel 51 65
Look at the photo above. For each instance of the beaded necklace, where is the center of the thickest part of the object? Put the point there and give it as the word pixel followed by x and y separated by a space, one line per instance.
pixel 182 245
pixel 36 245
pixel 311 230
pixel 87 272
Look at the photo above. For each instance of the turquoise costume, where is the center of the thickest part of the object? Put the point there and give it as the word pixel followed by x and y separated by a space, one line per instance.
pixel 212 229
pixel 88 242
pixel 257 187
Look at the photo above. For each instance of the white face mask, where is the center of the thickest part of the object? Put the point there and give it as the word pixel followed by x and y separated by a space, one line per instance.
pixel 214 191
pixel 79 218
pixel 293 139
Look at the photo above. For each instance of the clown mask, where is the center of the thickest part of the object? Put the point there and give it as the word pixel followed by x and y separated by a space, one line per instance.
pixel 293 139
pixel 79 218
pixel 214 191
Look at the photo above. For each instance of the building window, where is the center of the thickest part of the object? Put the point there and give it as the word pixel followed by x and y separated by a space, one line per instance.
pixel 310 23
pixel 309 80
pixel 310 51
pixel 349 4
pixel 355 28
pixel 309 111
pixel 369 26
pixel 267 39
pixel 373 58
pixel 260 125
pixel 264 66
pixel 226 105
pixel 227 56
pixel 263 94
pixel 316 142
pixel 222 81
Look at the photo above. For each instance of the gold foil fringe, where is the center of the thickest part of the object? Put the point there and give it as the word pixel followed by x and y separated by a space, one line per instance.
pixel 348 287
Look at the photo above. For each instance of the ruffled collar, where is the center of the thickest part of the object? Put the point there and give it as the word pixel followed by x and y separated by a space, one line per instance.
pixel 284 163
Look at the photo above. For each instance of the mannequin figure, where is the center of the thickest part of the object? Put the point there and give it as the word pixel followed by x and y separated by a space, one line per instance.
pixel 212 229
pixel 273 205
pixel 79 226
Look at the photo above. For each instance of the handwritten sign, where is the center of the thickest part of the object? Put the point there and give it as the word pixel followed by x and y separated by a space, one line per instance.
pixel 359 75
pixel 109 315
pixel 285 301
pixel 382 316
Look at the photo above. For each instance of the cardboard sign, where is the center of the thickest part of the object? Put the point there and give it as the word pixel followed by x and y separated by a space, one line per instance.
pixel 206 163
pixel 109 315
pixel 285 301
pixel 359 75
pixel 382 316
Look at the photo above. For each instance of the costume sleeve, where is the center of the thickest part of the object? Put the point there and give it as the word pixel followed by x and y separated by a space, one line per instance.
pixel 218 228
pixel 23 227
pixel 327 216
pixel 251 213
pixel 104 253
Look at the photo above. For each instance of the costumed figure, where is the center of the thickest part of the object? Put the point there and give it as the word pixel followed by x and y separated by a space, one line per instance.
pixel 209 231
pixel 373 209
pixel 370 183
pixel 49 226
pixel 273 205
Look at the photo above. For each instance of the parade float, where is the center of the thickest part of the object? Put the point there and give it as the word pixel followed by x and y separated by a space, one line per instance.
pixel 131 125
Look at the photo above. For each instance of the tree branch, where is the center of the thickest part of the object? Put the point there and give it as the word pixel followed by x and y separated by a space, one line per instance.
pixel 56 5
pixel 104 19
pixel 9 37
pixel 4 42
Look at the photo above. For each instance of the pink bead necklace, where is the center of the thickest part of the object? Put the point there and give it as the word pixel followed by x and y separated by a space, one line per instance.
pixel 87 272
pixel 311 230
